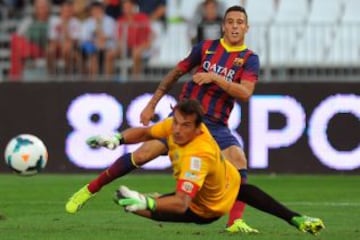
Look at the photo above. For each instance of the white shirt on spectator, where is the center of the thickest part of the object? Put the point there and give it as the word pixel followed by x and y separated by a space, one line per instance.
pixel 56 32
pixel 108 26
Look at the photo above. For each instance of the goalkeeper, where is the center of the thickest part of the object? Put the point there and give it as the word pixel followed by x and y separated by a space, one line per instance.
pixel 206 184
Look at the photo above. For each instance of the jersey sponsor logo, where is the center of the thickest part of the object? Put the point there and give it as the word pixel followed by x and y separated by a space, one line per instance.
pixel 195 163
pixel 187 187
pixel 220 70
pixel 208 52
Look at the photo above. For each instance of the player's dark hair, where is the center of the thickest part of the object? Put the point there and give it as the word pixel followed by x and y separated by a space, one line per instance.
pixel 206 2
pixel 131 1
pixel 236 8
pixel 67 3
pixel 97 4
pixel 189 107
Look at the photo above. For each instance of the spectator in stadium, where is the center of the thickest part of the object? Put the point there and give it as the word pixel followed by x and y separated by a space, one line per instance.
pixel 207 184
pixel 113 8
pixel 209 26
pixel 14 8
pixel 58 2
pixel 135 38
pixel 225 71
pixel 30 39
pixel 81 10
pixel 97 39
pixel 64 33
pixel 155 9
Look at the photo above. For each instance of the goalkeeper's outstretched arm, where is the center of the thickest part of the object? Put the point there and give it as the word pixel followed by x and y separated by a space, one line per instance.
pixel 144 206
pixel 128 136
pixel 136 135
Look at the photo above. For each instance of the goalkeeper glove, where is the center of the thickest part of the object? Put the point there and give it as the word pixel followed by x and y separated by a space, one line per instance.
pixel 110 142
pixel 133 201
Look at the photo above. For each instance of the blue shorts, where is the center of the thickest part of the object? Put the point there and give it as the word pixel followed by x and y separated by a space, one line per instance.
pixel 222 134
pixel 88 48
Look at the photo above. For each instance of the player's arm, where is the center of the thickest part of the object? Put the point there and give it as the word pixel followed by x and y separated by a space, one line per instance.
pixel 128 136
pixel 184 66
pixel 148 207
pixel 136 135
pixel 185 190
pixel 243 90
pixel 164 87
pixel 177 204
pixel 132 135
pixel 192 173
pixel 159 130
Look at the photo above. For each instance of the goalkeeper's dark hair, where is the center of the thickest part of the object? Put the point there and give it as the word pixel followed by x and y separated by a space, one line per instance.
pixel 236 8
pixel 189 107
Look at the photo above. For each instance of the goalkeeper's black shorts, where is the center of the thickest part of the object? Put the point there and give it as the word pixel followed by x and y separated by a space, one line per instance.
pixel 187 217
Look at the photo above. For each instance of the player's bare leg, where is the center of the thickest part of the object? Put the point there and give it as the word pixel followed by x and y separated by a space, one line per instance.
pixel 236 156
pixel 125 164
pixel 235 222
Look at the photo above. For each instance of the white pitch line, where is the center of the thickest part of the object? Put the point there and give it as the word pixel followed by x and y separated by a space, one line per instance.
pixel 335 204
pixel 300 203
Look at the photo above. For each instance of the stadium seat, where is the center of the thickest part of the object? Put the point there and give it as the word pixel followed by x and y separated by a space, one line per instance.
pixel 285 31
pixel 187 9
pixel 172 10
pixel 35 70
pixel 175 41
pixel 260 14
pixel 175 46
pixel 291 11
pixel 314 45
pixel 260 11
pixel 351 11
pixel 325 11
pixel 257 40
pixel 229 3
pixel 345 50
pixel 283 43
pixel 175 10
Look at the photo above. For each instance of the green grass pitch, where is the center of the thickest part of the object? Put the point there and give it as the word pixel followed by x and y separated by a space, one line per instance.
pixel 33 208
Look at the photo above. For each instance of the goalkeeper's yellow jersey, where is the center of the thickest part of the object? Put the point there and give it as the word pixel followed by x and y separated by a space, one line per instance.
pixel 201 171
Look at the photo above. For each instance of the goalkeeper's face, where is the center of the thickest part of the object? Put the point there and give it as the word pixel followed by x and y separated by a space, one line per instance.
pixel 184 128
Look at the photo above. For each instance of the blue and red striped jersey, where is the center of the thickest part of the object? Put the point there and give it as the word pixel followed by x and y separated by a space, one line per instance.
pixel 236 64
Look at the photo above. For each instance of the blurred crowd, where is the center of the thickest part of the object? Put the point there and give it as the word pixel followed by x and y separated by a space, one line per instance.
pixel 90 37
